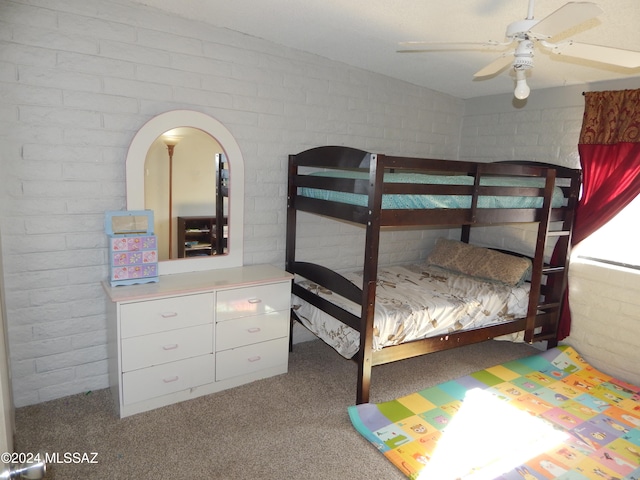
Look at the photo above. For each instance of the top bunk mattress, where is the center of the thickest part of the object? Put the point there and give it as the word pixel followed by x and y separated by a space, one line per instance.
pixel 398 201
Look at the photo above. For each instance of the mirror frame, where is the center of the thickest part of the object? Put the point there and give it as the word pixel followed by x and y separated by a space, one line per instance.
pixel 136 157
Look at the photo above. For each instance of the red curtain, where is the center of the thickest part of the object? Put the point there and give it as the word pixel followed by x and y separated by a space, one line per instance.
pixel 609 149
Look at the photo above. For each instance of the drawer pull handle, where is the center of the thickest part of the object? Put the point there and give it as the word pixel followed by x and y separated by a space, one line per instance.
pixel 255 300
pixel 253 330
pixel 169 314
pixel 257 358
pixel 170 347
pixel 170 379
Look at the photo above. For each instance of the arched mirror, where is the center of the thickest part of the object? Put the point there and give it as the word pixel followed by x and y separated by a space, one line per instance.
pixel 187 168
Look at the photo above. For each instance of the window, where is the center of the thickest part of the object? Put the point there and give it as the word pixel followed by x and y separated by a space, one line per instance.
pixel 617 241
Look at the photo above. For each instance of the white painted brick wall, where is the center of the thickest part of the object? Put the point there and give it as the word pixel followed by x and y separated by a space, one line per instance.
pixel 606 317
pixel 79 78
pixel 543 131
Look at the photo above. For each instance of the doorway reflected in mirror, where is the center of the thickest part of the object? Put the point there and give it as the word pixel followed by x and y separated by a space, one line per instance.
pixel 183 180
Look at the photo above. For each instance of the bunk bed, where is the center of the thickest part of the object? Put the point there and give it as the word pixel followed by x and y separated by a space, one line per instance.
pixel 378 191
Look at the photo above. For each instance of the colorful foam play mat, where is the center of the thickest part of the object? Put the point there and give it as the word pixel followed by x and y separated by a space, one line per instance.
pixel 550 415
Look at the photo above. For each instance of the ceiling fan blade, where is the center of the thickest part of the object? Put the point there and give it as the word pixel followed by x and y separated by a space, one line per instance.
pixel 417 47
pixel 566 17
pixel 497 65
pixel 597 53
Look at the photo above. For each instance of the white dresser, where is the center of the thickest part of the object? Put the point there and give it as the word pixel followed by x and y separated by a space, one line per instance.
pixel 192 334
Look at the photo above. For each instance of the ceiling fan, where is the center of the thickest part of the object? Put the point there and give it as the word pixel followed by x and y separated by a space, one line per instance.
pixel 528 33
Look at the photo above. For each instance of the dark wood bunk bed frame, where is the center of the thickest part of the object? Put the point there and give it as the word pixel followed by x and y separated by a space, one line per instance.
pixel 547 281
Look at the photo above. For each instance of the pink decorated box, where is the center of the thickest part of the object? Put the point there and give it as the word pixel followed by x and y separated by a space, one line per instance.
pixel 133 248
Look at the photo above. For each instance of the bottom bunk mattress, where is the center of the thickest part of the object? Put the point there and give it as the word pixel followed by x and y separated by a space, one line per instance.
pixel 550 415
pixel 415 302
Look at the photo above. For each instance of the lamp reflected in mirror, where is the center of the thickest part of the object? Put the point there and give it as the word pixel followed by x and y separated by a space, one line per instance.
pixel 170 141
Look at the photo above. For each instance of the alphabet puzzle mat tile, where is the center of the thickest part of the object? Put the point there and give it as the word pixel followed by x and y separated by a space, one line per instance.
pixel 550 415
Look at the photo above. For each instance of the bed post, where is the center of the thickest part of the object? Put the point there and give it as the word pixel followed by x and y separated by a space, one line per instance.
pixel 290 248
pixel 370 277
pixel 465 231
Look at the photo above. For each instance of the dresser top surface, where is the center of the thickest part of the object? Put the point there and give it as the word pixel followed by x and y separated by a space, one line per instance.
pixel 196 282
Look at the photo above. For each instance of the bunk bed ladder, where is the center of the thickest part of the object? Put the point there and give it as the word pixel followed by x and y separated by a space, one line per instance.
pixel 557 271
pixel 549 279
pixel 550 299
pixel 538 259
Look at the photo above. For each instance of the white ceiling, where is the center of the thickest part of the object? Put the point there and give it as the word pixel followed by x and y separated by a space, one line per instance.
pixel 365 34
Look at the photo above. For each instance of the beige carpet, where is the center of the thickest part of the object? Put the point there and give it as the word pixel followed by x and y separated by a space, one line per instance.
pixel 293 426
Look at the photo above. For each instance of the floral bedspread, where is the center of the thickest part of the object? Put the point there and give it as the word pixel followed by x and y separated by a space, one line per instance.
pixel 414 302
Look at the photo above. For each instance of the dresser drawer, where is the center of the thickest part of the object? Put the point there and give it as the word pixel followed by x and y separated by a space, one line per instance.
pixel 250 301
pixel 245 331
pixel 164 347
pixel 252 358
pixel 152 316
pixel 172 377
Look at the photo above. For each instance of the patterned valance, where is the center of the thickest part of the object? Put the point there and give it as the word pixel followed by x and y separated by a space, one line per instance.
pixel 611 117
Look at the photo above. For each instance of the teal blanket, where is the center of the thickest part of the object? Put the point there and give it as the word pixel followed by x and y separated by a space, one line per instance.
pixel 396 201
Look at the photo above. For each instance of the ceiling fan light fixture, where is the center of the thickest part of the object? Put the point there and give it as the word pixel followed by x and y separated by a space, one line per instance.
pixel 530 32
pixel 522 90
pixel 523 54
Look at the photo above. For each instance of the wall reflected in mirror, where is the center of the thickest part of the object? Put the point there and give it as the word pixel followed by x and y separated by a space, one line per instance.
pixel 182 170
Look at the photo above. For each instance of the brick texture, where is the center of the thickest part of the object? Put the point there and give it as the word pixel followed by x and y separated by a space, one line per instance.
pixel 78 79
